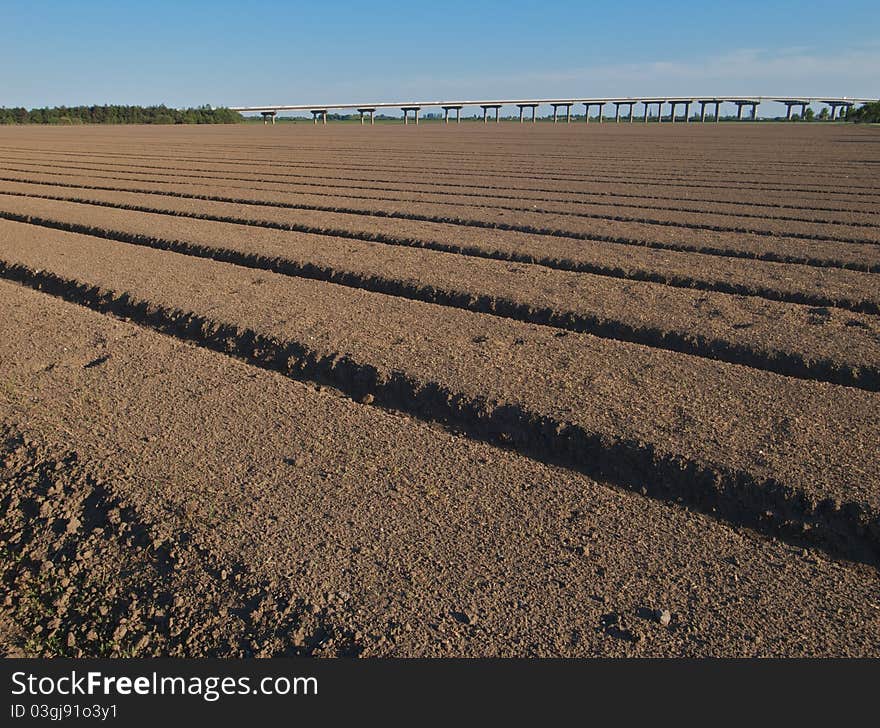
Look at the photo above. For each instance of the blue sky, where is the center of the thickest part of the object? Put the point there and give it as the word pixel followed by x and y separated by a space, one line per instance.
pixel 260 52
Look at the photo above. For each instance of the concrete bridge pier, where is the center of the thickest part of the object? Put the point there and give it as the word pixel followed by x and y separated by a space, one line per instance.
pixel 587 108
pixel 741 104
pixel 618 104
pixel 673 105
pixel 414 109
pixel 556 112
pixel 319 112
pixel 632 108
pixel 702 112
pixel 268 115
pixel 717 111
pixel 837 109
pixel 486 108
pixel 647 111
pixel 447 109
pixel 527 106
pixel 366 111
pixel 687 112
pixel 601 107
pixel 660 111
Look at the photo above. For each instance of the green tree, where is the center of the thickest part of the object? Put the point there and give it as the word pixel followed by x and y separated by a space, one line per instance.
pixel 114 114
pixel 865 114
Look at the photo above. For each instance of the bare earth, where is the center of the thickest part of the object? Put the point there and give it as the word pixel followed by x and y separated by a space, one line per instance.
pixel 427 391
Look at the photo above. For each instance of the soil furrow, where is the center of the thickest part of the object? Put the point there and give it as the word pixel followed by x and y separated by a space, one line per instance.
pixel 865 220
pixel 270 537
pixel 529 219
pixel 807 285
pixel 604 190
pixel 809 343
pixel 855 257
pixel 669 180
pixel 734 442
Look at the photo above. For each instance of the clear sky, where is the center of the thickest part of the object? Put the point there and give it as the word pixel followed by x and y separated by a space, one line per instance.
pixel 249 52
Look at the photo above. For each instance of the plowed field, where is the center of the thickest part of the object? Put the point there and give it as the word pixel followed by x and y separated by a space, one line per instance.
pixel 440 391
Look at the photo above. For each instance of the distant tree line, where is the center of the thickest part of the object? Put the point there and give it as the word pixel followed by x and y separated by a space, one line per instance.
pixel 112 114
pixel 866 114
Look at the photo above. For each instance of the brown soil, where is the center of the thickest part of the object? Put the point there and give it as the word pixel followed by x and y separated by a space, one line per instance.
pixel 518 403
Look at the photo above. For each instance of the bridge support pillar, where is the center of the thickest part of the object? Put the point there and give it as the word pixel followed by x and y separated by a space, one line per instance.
pixel 616 113
pixel 837 110
pixel 407 109
pixel 447 109
pixel 702 111
pixel 523 107
pixel 687 112
pixel 601 112
pixel 673 106
pixel 647 111
pixel 632 108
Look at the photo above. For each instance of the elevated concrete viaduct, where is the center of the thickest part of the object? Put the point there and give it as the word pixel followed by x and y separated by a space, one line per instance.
pixel 486 108
pixel 457 108
pixel 589 105
pixel 567 105
pixel 618 104
pixel 704 103
pixel 839 107
pixel 407 109
pixel 527 106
